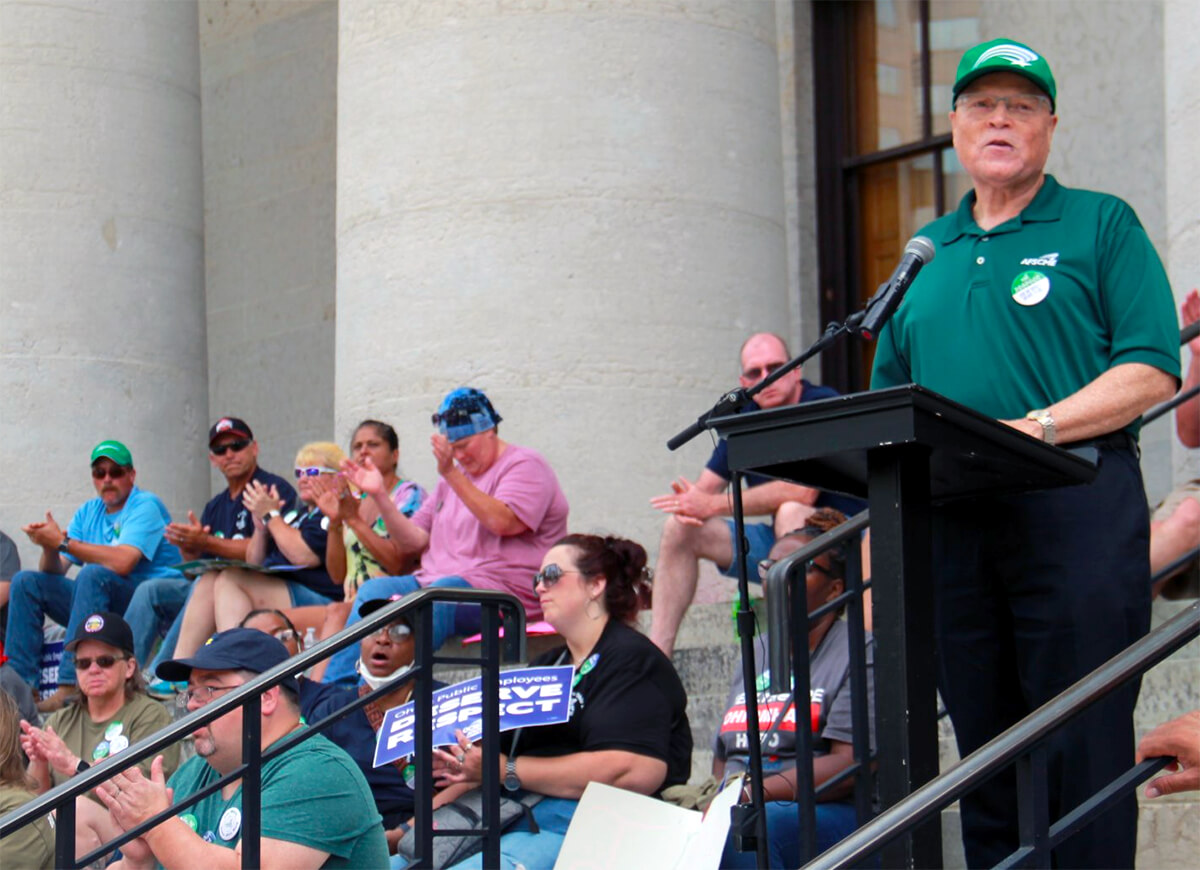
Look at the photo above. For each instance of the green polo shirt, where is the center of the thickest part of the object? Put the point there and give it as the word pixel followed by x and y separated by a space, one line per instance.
pixel 313 794
pixel 1029 312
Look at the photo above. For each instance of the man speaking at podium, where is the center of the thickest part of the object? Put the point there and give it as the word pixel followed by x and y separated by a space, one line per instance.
pixel 1049 309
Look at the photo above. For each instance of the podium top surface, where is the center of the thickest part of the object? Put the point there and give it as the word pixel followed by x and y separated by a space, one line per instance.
pixel 826 444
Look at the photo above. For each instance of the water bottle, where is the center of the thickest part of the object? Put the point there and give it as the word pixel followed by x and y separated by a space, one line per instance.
pixel 310 639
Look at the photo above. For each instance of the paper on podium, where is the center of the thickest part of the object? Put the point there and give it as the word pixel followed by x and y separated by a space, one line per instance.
pixel 615 829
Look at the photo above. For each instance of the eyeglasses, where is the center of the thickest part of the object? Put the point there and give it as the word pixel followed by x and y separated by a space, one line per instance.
pixel 112 472
pixel 1023 107
pixel 396 632
pixel 105 662
pixel 236 446
pixel 759 372
pixel 203 694
pixel 284 635
pixel 313 471
pixel 811 565
pixel 550 575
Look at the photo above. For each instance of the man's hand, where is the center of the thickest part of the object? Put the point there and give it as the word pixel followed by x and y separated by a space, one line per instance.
pixel 690 504
pixel 1189 313
pixel 46 535
pixel 1179 738
pixel 190 536
pixel 442 452
pixel 366 476
pixel 259 499
pixel 131 798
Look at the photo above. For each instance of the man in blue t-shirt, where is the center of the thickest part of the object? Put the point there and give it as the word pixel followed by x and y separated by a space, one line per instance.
pixel 700 523
pixel 118 539
pixel 222 532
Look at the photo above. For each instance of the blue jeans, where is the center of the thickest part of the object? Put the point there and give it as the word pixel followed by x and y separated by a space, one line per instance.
pixel 519 848
pixel 835 820
pixel 36 595
pixel 156 604
pixel 341 665
pixel 761 537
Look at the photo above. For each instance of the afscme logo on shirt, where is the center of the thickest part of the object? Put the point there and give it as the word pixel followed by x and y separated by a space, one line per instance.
pixel 1043 260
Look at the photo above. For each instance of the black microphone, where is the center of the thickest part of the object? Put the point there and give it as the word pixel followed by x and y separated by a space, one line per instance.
pixel 883 304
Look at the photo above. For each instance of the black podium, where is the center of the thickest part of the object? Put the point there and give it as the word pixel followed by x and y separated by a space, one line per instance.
pixel 903 449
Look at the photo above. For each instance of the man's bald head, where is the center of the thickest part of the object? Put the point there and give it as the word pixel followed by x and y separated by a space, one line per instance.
pixel 763 353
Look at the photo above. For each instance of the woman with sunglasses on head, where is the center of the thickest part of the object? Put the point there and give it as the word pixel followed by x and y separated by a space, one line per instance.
pixel 112 712
pixel 628 723
pixel 292 543
pixel 827 713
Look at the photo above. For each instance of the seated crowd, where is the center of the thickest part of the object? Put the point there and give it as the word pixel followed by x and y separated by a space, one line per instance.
pixel 231 594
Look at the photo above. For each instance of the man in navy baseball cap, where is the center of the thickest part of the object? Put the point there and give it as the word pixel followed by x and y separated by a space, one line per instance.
pixel 317 810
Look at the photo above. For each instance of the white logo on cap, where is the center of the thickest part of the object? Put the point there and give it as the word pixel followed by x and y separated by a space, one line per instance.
pixel 1017 55
pixel 94 624
pixel 224 425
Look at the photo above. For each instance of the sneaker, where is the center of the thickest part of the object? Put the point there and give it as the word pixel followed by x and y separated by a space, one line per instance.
pixel 58 699
pixel 164 690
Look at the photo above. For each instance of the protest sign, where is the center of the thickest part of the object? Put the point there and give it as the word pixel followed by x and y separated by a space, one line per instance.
pixel 528 697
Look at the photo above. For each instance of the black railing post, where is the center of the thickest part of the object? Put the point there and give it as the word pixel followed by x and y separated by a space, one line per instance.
pixel 422 827
pixel 490 781
pixel 64 835
pixel 802 698
pixel 252 782
pixel 1033 806
pixel 860 711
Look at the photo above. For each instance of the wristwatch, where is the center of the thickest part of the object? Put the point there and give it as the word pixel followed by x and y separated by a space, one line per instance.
pixel 81 766
pixel 66 542
pixel 270 515
pixel 1043 417
pixel 512 782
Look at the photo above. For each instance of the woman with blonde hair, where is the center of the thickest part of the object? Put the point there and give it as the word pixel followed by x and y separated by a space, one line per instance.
pixel 292 545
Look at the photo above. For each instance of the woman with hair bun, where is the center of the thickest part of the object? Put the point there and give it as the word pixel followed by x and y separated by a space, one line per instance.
pixel 628 725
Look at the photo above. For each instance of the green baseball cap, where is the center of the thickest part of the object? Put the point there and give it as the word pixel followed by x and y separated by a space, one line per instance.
pixel 1004 55
pixel 114 450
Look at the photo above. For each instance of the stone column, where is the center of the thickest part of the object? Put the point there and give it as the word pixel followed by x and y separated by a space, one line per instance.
pixel 577 208
pixel 101 290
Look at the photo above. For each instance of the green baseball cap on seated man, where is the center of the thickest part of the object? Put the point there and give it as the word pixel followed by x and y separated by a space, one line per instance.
pixel 114 450
pixel 1004 55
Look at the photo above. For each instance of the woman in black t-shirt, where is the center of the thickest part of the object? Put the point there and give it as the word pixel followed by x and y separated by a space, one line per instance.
pixel 628 726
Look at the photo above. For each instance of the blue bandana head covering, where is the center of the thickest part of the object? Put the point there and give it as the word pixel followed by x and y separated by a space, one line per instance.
pixel 465 412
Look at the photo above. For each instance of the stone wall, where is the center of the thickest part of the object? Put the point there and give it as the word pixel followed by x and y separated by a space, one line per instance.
pixel 102 331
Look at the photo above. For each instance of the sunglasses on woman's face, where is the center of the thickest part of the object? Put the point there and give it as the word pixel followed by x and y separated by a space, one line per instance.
pixel 550 575
pixel 104 662
pixel 313 471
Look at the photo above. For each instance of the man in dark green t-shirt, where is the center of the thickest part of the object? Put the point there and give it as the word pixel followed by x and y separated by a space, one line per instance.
pixel 317 810
pixel 1049 309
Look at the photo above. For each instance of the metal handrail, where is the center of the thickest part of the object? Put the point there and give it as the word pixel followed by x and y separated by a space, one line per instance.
pixel 1020 740
pixel 494 602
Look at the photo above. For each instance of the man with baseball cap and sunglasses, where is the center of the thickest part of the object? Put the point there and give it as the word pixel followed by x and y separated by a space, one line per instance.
pixel 222 532
pixel 118 539
pixel 317 810
pixel 495 511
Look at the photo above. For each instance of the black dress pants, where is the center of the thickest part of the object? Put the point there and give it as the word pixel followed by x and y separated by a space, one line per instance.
pixel 1033 592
